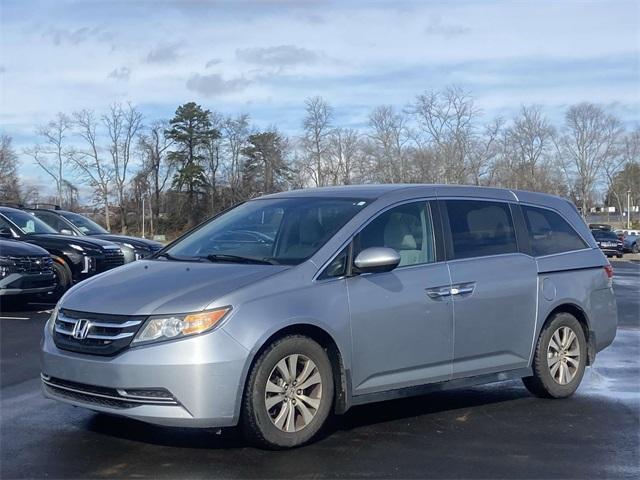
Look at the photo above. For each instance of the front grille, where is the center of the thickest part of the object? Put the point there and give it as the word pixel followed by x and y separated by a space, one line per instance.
pixel 108 397
pixel 111 258
pixel 96 334
pixel 31 265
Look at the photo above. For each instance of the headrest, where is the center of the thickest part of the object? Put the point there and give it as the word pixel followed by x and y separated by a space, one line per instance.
pixel 397 234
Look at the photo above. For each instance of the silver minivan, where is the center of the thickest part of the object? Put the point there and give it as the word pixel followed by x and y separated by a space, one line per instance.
pixel 293 306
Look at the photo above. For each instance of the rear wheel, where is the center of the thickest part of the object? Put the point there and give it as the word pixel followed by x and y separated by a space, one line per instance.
pixel 635 248
pixel 560 358
pixel 289 393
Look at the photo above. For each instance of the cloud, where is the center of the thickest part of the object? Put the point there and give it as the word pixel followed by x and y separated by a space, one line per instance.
pixel 280 56
pixel 212 62
pixel 122 74
pixel 437 27
pixel 214 85
pixel 77 36
pixel 165 53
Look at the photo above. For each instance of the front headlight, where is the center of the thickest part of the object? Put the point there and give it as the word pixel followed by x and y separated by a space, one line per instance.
pixel 169 327
pixel 6 266
pixel 52 319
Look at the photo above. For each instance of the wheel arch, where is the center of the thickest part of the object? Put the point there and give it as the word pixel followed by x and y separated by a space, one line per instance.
pixel 325 340
pixel 582 317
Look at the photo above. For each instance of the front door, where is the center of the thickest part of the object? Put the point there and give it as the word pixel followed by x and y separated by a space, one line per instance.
pixel 402 324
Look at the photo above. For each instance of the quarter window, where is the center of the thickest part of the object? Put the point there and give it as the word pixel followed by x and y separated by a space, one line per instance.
pixel 549 233
pixel 480 228
pixel 408 229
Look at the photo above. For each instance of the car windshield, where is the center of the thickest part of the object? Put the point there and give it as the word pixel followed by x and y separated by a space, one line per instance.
pixel 27 223
pixel 84 224
pixel 279 231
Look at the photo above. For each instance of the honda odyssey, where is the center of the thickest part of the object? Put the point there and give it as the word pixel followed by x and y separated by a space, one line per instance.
pixel 293 306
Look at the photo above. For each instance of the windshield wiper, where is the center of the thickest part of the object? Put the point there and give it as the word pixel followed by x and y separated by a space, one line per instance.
pixel 168 256
pixel 238 259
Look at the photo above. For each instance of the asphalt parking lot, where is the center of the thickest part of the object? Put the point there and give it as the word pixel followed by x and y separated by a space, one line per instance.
pixel 491 431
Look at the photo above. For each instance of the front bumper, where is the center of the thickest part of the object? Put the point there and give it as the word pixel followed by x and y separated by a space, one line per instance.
pixel 24 284
pixel 204 375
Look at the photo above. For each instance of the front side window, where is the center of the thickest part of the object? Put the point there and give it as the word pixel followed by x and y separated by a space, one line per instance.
pixel 28 223
pixel 549 233
pixel 480 228
pixel 280 231
pixel 407 228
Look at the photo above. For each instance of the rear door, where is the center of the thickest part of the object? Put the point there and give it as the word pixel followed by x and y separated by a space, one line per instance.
pixel 494 287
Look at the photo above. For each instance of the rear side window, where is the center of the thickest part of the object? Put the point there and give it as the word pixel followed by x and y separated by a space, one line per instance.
pixel 480 228
pixel 549 233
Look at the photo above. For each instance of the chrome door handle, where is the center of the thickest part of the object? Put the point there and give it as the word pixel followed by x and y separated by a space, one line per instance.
pixel 463 289
pixel 441 292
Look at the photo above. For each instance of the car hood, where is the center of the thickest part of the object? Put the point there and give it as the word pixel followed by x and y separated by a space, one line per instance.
pixel 135 241
pixel 59 239
pixel 152 287
pixel 16 248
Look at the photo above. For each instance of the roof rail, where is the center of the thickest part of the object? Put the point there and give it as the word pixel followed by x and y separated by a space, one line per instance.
pixel 46 205
pixel 11 204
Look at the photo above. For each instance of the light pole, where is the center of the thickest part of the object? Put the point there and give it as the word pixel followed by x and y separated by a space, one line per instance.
pixel 143 216
pixel 628 208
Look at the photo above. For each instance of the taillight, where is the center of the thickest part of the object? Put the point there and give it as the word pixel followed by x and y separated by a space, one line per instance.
pixel 609 271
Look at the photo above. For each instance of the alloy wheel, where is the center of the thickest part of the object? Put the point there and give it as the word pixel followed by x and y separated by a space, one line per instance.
pixel 563 355
pixel 293 393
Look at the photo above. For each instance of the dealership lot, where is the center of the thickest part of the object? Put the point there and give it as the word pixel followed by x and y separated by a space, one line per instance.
pixel 496 430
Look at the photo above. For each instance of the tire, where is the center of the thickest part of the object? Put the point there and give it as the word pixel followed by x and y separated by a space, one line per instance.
pixel 63 278
pixel 619 255
pixel 635 248
pixel 271 426
pixel 561 381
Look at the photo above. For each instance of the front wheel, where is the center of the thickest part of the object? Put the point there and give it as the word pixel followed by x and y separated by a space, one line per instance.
pixel 560 358
pixel 289 393
pixel 635 248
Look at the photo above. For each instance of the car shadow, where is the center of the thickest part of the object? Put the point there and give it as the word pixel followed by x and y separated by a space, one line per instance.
pixel 356 417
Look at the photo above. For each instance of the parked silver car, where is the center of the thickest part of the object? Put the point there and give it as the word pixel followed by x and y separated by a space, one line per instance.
pixel 295 305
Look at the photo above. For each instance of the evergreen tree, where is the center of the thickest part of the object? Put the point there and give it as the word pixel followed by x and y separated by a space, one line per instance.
pixel 190 129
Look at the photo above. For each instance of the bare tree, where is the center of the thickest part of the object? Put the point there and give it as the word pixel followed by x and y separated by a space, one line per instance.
pixel 213 159
pixel 345 151
pixel 52 156
pixel 123 125
pixel 93 167
pixel 154 146
pixel 315 141
pixel 235 132
pixel 389 136
pixel 587 141
pixel 447 124
pixel 484 150
pixel 628 152
pixel 9 182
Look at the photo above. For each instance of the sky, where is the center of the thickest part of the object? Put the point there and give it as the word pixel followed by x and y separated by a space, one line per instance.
pixel 265 57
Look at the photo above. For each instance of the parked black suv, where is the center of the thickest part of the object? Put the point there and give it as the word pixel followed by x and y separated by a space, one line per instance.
pixel 74 258
pixel 25 270
pixel 608 242
pixel 71 223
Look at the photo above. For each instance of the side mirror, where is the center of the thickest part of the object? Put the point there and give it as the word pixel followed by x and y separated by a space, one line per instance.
pixel 377 259
pixel 65 231
pixel 6 233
